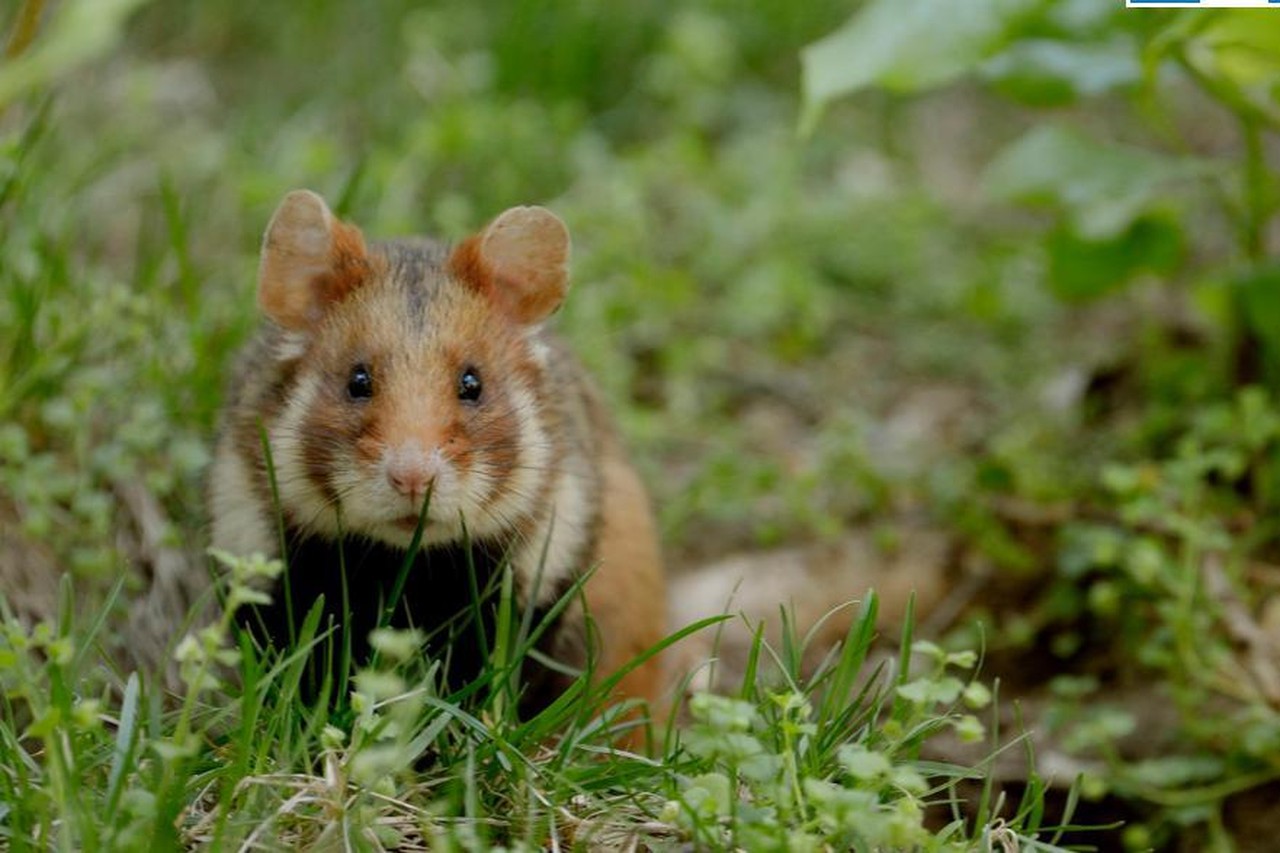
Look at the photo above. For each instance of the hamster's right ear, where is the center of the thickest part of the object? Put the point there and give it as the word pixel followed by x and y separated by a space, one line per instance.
pixel 310 261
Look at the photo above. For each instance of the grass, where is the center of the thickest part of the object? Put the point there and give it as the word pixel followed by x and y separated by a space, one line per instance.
pixel 828 758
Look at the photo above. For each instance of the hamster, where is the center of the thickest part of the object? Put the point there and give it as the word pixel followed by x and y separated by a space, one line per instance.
pixel 395 376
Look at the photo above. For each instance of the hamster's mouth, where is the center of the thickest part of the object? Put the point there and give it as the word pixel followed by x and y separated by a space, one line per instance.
pixel 410 523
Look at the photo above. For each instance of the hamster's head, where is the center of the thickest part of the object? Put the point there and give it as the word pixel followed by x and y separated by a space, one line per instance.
pixel 412 379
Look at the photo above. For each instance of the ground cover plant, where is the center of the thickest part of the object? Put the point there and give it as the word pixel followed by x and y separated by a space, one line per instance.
pixel 1002 273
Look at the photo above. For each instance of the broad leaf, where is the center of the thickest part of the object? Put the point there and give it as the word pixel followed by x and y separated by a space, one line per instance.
pixel 1086 269
pixel 1235 54
pixel 1102 187
pixel 1242 46
pixel 908 46
pixel 1045 72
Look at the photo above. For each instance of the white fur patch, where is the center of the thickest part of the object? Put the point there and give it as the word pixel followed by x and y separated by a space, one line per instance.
pixel 538 349
pixel 559 536
pixel 241 525
pixel 290 346
pixel 510 495
pixel 372 507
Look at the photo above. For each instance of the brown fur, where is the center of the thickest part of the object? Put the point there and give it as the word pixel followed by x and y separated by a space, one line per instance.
pixel 628 600
pixel 468 266
pixel 349 265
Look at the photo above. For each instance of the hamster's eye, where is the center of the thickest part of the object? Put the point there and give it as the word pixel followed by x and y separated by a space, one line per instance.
pixel 469 386
pixel 360 384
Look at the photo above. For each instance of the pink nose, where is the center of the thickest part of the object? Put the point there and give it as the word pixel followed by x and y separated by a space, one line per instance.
pixel 410 477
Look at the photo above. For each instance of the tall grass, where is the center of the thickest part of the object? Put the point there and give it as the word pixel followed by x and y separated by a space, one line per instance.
pixel 236 757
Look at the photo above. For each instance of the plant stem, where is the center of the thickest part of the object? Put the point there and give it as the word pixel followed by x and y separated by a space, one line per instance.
pixel 1254 190
pixel 1255 197
pixel 24 28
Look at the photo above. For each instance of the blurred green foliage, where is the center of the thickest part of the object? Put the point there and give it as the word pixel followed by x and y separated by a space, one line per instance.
pixel 1160 564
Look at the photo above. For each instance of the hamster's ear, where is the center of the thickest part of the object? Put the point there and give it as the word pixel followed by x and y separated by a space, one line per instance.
pixel 310 261
pixel 521 262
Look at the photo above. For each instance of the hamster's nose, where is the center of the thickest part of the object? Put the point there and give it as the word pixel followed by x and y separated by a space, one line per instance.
pixel 411 474
pixel 410 480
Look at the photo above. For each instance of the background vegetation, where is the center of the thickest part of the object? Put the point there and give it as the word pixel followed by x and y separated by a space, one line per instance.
pixel 1002 269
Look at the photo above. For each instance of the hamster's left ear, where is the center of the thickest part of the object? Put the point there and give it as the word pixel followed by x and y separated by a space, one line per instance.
pixel 520 262
pixel 310 262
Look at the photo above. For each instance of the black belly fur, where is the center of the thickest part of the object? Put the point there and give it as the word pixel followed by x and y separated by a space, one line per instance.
pixel 437 595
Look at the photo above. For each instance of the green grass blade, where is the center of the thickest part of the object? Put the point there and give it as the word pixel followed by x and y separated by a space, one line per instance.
pixel 126 744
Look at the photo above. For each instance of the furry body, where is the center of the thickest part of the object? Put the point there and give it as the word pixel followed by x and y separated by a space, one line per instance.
pixel 390 376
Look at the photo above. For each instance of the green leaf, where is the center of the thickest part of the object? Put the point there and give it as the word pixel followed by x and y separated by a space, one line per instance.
pixel 1243 47
pixel 1234 54
pixel 79 32
pixel 918 692
pixel 1258 291
pixel 924 647
pixel 970 729
pixel 1101 187
pixel 977 695
pixel 1084 18
pixel 908 779
pixel 862 763
pixel 1046 72
pixel 926 691
pixel 709 794
pixel 1173 771
pixel 907 47
pixel 947 689
pixel 1081 268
